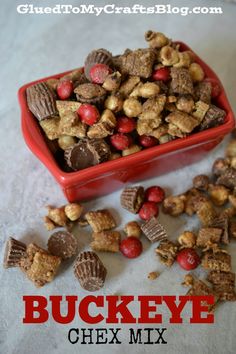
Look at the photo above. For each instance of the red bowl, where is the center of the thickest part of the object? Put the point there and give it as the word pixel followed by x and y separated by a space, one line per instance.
pixel 109 176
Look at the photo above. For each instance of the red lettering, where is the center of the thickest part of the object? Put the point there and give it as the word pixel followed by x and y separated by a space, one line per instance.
pixel 198 308
pixel 175 309
pixel 31 308
pixel 146 308
pixel 56 309
pixel 114 309
pixel 84 305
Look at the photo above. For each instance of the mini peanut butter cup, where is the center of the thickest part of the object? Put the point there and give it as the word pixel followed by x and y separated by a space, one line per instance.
pixel 79 156
pixel 14 252
pixel 98 56
pixel 87 153
pixel 100 149
pixel 90 93
pixel 153 230
pixel 41 101
pixel 90 271
pixel 132 198
pixel 62 244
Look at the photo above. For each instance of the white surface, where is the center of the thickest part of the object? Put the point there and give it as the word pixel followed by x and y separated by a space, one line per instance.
pixel 36 46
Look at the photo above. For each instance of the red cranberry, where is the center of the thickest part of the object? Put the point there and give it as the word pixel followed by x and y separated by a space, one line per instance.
pixel 99 73
pixel 88 114
pixel 162 74
pixel 125 125
pixel 148 210
pixel 147 141
pixel 121 141
pixel 188 259
pixel 215 87
pixel 155 194
pixel 131 247
pixel 65 89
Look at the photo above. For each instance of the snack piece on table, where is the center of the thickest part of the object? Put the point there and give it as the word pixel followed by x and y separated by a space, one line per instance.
pixel 206 213
pixel 173 205
pixel 217 261
pixel 208 235
pixel 153 230
pixel 90 271
pixel 62 244
pixel 199 288
pixel 41 101
pixel 222 223
pixel 223 284
pixel 187 239
pixel 167 252
pixel 14 252
pixel 107 241
pixel 100 220
pixel 132 198
pixel 39 266
pixel 133 228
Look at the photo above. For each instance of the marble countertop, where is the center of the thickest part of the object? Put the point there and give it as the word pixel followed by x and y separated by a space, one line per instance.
pixel 35 46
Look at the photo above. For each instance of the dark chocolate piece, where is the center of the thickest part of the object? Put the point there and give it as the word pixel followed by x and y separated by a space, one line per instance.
pixel 41 101
pixel 132 198
pixel 90 271
pixel 62 244
pixel 223 224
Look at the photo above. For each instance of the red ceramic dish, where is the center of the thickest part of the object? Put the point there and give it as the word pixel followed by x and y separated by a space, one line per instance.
pixel 112 175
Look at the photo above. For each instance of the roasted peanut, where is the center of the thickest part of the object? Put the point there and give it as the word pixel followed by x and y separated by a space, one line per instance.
pixel 187 239
pixel 153 275
pixel 132 107
pixel 201 182
pixel 73 211
pixel 196 72
pixel 131 150
pixel 185 104
pixel 149 89
pixel 220 166
pixel 156 39
pixel 218 194
pixel 231 149
pixel 173 205
pixel 66 141
pixel 168 56
pixel 114 103
pixel 132 228
pixel 112 81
